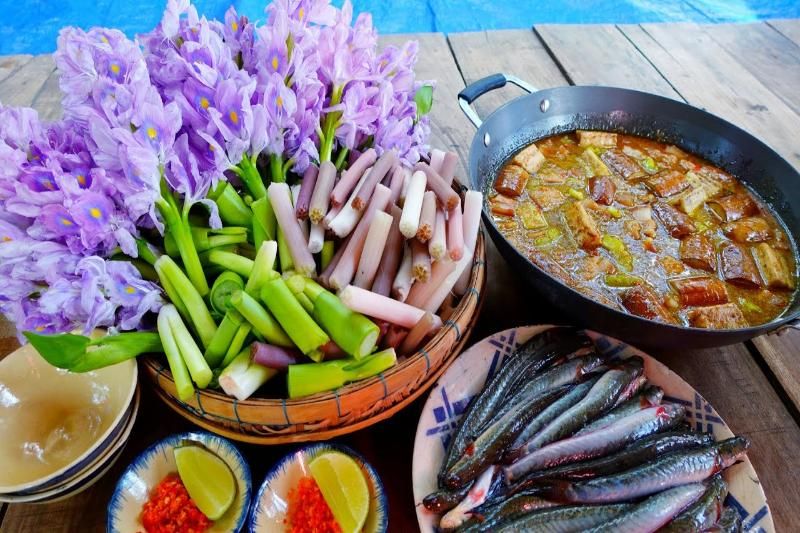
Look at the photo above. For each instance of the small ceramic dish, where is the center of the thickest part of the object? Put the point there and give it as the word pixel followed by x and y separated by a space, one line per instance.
pixel 271 502
pixel 155 463
pixel 467 375
pixel 86 478
pixel 44 410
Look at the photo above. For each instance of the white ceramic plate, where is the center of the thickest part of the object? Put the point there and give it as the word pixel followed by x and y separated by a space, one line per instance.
pixel 468 373
pixel 270 504
pixel 153 465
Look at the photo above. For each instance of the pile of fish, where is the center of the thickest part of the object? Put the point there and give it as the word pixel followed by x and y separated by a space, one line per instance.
pixel 562 439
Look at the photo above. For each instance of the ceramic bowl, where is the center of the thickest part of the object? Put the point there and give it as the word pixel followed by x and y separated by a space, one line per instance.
pixel 43 410
pixel 86 478
pixel 271 501
pixel 467 375
pixel 155 463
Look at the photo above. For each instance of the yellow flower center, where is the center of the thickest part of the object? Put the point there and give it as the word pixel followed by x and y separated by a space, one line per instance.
pixel 95 212
pixel 6 238
pixel 47 184
pixel 301 13
pixel 274 62
pixel 130 290
pixel 66 222
pixel 234 25
pixel 151 132
pixel 104 39
pixel 39 328
pixel 204 103
pixel 279 102
pixel 210 147
pixel 81 179
pixel 115 68
pixel 234 116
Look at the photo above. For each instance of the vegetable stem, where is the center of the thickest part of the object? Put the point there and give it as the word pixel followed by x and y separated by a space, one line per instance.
pixel 230 261
pixel 262 322
pixel 218 347
pixel 307 379
pixel 263 267
pixel 191 299
pixel 248 171
pixel 299 326
pixel 189 352
pixel 242 377
pixel 232 209
pixel 226 284
pixel 177 366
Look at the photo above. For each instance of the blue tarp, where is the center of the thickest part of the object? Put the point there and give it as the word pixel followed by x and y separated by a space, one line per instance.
pixel 31 26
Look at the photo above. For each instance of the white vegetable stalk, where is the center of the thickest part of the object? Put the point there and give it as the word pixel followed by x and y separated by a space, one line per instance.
pixel 412 207
pixel 374 246
pixel 279 197
pixel 348 217
pixel 405 276
pixel 316 238
pixel 420 261
pixel 455 233
pixel 437 246
pixel 404 188
pixel 242 377
pixel 295 196
pixel 422 292
pixel 382 307
pixel 437 158
pixel 427 217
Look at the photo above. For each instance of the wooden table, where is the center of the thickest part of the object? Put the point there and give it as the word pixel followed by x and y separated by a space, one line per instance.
pixel 748 74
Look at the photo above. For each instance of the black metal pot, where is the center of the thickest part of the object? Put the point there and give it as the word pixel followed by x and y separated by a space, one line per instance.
pixel 552 111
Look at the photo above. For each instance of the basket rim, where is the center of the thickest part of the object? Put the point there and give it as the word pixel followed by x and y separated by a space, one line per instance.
pixel 475 288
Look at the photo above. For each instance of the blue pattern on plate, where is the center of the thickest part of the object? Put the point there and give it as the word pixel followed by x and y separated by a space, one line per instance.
pixel 312 450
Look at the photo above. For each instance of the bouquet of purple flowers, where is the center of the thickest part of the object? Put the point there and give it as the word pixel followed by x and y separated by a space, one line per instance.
pixel 160 209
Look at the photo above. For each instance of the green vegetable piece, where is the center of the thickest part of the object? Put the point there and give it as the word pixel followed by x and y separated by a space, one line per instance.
pixel 237 343
pixel 226 284
pixel 530 215
pixel 191 299
pixel 307 379
pixel 749 306
pixel 326 256
pixel 223 338
pixel 242 377
pixel 229 261
pixel 263 266
pixel 296 322
pixel 262 322
pixel 622 280
pixel 575 193
pixel 189 351
pixel 264 222
pixel 177 366
pixel 232 209
pixel 594 164
pixel 284 255
pixel 547 237
pixel 618 251
pixel 649 164
pixel 424 100
pixel 614 212
pixel 78 353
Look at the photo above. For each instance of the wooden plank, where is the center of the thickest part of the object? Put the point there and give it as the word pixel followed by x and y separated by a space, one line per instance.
pixel 48 101
pixel 8 64
pixel 450 129
pixel 731 381
pixel 781 352
pixel 767 54
pixel 22 87
pixel 788 27
pixel 480 54
pixel 708 76
pixel 601 55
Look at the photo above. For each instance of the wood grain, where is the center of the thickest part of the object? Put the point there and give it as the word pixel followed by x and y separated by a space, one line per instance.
pixel 708 76
pixel 601 55
pixel 782 353
pixel 9 64
pixel 788 27
pixel 21 88
pixel 766 54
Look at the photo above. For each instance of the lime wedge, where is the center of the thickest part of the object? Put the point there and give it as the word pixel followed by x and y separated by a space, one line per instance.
pixel 208 480
pixel 344 488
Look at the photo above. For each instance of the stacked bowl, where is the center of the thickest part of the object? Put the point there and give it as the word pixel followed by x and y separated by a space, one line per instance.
pixel 61 431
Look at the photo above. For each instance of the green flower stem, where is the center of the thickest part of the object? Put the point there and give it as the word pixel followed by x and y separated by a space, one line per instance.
pixel 205 239
pixel 296 284
pixel 186 293
pixel 326 256
pixel 296 322
pixel 262 322
pixel 341 158
pixel 242 377
pixel 264 222
pixel 218 347
pixel 224 286
pixel 145 269
pixel 237 343
pixel 263 268
pixel 230 261
pixel 248 171
pixel 177 366
pixel 285 257
pixel 352 332
pixel 329 124
pixel 146 253
pixel 189 352
pixel 232 209
pixel 311 378
pixel 175 298
pixel 277 172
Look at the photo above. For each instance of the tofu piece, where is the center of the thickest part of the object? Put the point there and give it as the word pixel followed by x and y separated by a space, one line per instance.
pixel 738 267
pixel 530 158
pixel 773 267
pixel 621 164
pixel 708 182
pixel 725 316
pixel 751 229
pixel 676 223
pixel 595 164
pixel 597 138
pixel 732 207
pixel 547 198
pixel 667 183
pixel 531 216
pixel 602 189
pixel 697 251
pixel 583 225
pixel 692 200
pixel 511 180
pixel 700 291
pixel 641 301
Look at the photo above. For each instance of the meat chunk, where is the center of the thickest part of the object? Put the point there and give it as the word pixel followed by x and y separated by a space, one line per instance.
pixel 692 200
pixel 725 316
pixel 697 251
pixel 530 158
pixel 667 182
pixel 594 265
pixel 502 205
pixel 583 225
pixel 733 207
pixel 595 165
pixel 676 223
pixel 707 182
pixel 738 267
pixel 640 300
pixel 546 198
pixel 700 291
pixel 751 229
pixel 511 180
pixel 602 189
pixel 597 138
pixel 621 164
pixel 773 266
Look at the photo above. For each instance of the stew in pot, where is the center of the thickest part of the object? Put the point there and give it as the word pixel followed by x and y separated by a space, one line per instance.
pixel 646 227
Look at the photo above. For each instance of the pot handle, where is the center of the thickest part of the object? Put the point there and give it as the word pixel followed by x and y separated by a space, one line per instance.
pixel 792 324
pixel 471 92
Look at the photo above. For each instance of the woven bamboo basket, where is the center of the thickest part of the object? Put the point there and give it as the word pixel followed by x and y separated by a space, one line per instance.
pixel 355 406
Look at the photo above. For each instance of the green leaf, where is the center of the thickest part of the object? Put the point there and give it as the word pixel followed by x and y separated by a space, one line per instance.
pixel 424 100
pixel 64 350
pixel 78 353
